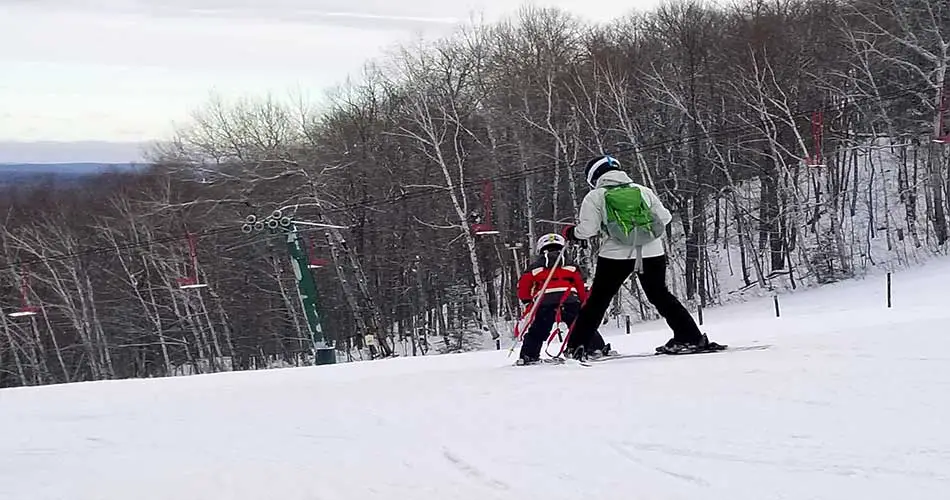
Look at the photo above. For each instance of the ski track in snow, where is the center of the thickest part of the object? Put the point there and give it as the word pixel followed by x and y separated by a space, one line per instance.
pixel 848 401
pixel 471 471
pixel 640 461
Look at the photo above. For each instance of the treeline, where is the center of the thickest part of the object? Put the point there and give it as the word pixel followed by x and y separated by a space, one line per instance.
pixel 794 141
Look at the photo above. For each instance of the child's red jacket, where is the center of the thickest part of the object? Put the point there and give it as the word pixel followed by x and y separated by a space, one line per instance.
pixel 566 277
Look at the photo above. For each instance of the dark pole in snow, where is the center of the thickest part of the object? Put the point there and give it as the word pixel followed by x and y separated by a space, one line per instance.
pixel 888 290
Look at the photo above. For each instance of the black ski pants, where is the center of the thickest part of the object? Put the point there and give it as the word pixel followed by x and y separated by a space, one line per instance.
pixel 543 322
pixel 608 278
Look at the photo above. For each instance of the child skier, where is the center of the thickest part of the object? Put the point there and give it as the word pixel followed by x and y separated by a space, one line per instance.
pixel 633 219
pixel 565 292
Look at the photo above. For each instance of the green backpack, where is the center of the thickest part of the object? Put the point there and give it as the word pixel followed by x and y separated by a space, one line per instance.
pixel 629 220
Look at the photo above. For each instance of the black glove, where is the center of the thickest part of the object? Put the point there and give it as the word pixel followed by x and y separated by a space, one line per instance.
pixel 568 234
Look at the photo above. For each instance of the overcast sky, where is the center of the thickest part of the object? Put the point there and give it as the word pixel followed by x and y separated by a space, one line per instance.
pixel 127 70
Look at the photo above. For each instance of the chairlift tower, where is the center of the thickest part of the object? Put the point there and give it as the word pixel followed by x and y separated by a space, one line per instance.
pixel 324 353
pixel 514 247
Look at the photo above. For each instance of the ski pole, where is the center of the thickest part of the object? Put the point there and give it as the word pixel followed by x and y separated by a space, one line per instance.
pixel 520 321
pixel 556 222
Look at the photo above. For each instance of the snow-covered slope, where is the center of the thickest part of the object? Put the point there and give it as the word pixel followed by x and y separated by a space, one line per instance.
pixel 849 401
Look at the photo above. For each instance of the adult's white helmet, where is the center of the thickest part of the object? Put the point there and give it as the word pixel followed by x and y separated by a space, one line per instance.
pixel 548 240
pixel 599 166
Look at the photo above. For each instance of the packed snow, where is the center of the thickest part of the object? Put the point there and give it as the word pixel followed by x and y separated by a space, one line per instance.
pixel 849 400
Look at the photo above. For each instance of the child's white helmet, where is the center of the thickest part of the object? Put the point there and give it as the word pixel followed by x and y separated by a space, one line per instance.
pixel 550 239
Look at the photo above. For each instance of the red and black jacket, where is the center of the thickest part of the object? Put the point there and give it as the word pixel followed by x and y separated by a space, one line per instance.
pixel 566 279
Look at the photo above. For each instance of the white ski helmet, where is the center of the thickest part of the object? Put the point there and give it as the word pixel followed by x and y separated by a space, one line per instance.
pixel 598 167
pixel 548 240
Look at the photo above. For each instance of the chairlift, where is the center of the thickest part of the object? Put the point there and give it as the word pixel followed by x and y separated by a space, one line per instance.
pixel 485 228
pixel 314 261
pixel 26 310
pixel 817 134
pixel 189 282
pixel 941 135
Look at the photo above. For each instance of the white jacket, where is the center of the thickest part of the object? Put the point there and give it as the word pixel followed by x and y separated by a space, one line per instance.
pixel 592 218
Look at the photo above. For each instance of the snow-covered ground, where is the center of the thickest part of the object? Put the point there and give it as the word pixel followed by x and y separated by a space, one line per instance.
pixel 850 401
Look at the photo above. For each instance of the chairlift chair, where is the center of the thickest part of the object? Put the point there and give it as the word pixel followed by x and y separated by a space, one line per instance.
pixel 485 228
pixel 190 282
pixel 817 134
pixel 26 310
pixel 314 261
pixel 941 135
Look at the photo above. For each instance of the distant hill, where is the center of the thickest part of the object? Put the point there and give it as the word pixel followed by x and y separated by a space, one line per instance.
pixel 28 173
pixel 72 151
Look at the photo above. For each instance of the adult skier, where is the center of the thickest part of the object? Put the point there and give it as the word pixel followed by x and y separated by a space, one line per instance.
pixel 564 293
pixel 633 220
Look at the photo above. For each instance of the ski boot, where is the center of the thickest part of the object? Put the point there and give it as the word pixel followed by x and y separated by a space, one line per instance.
pixel 578 353
pixel 674 346
pixel 603 352
pixel 527 360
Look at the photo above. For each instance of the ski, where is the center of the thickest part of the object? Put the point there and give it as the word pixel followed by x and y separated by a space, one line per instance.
pixel 756 347
pixel 592 361
pixel 550 361
pixel 655 354
pixel 621 356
